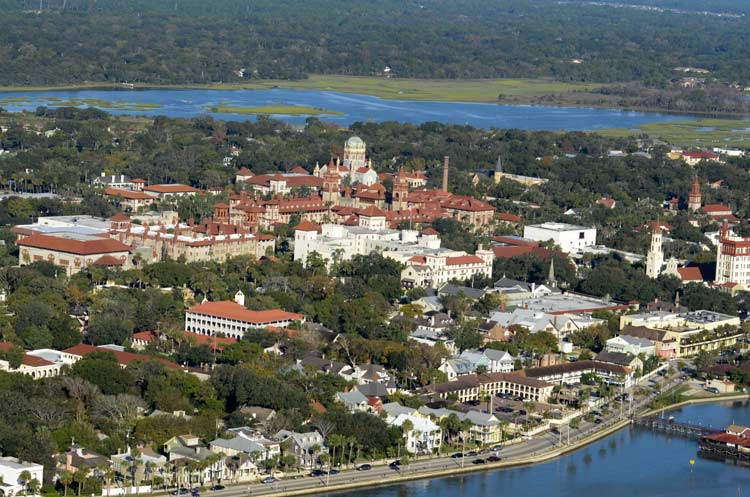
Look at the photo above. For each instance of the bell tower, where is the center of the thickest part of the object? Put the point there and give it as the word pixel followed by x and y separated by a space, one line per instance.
pixel 694 199
pixel 400 192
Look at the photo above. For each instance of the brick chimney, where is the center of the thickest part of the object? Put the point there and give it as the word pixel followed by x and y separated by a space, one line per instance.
pixel 445 173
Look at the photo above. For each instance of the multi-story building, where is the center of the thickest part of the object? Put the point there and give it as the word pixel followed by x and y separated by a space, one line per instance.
pixel 12 471
pixel 424 437
pixel 72 251
pixel 427 264
pixel 475 386
pixel 569 237
pixel 233 319
pixel 732 259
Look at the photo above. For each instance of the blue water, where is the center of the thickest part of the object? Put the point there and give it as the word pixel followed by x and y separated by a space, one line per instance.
pixel 190 103
pixel 630 463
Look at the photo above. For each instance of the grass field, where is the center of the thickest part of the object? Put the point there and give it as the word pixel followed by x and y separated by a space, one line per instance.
pixel 102 104
pixel 701 133
pixel 286 110
pixel 476 90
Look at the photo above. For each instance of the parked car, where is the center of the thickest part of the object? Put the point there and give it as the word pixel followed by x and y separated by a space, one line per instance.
pixel 364 467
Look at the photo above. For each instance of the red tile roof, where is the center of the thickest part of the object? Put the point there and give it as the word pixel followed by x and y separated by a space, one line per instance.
pixel 123 358
pixel 217 343
pixel 120 217
pixel 463 259
pixel 306 225
pixel 34 361
pixel 717 208
pixel 372 211
pixel 139 181
pixel 692 273
pixel 700 155
pixel 244 172
pixel 108 260
pixel 299 170
pixel 90 246
pixel 507 217
pixel 430 231
pixel 171 188
pixel 128 194
pixel 232 310
pixel 291 181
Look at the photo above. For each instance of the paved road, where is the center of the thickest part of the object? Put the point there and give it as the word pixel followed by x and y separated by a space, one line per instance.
pixel 382 473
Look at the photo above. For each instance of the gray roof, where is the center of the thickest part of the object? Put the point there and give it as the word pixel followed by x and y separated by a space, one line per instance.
pixel 636 341
pixel 394 409
pixel 472 293
pixel 618 358
pixel 351 398
pixel 373 389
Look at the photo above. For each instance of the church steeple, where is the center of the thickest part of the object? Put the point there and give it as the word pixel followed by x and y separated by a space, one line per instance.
pixel 498 174
pixel 551 280
pixel 655 256
pixel 694 199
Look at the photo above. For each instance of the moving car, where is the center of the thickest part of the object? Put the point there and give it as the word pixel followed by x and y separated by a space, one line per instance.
pixel 364 467
pixel 493 459
pixel 478 461
pixel 180 491
pixel 268 479
pixel 214 488
pixel 457 455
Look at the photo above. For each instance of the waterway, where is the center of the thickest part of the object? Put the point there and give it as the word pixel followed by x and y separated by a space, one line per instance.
pixel 349 108
pixel 632 462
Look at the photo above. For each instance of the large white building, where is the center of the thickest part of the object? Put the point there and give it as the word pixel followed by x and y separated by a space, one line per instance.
pixel 427 264
pixel 732 259
pixel 425 436
pixel 10 475
pixel 569 237
pixel 233 319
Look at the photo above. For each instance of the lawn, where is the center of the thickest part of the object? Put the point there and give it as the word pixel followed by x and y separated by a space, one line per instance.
pixel 475 90
pixel 286 110
pixel 701 133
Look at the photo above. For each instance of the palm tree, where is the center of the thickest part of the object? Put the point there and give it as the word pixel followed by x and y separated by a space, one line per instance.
pixel 406 427
pixel 66 478
pixel 24 478
pixel 148 470
pixel 107 473
pixel 80 477
pixel 34 486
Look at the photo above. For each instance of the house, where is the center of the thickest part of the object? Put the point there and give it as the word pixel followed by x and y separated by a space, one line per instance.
pixel 569 237
pixel 626 360
pixel 260 415
pixel 424 437
pixel 354 401
pixel 484 429
pixel 123 463
pixel 113 181
pixel 11 469
pixel 631 345
pixel 693 158
pixel 33 363
pixel 79 458
pixel 245 440
pixel 77 352
pixel 306 447
pixel 243 175
pixel 181 450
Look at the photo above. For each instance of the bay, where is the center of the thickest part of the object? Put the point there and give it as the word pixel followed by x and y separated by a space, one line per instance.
pixel 189 103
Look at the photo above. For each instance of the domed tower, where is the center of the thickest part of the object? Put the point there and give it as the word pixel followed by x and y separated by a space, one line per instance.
pixel 655 256
pixel 354 154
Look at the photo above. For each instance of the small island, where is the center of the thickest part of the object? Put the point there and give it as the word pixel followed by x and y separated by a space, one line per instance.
pixel 286 110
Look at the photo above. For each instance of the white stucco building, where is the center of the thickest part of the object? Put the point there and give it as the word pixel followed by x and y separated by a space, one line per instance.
pixel 424 437
pixel 569 237
pixel 10 474
pixel 427 263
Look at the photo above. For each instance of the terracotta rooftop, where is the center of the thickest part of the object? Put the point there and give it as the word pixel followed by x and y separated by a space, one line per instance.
pixel 171 188
pixel 244 172
pixel 120 217
pixel 463 259
pixel 108 260
pixel 74 245
pixel 430 231
pixel 372 211
pixel 306 225
pixel 232 310
pixel 692 273
pixel 123 358
pixel 128 194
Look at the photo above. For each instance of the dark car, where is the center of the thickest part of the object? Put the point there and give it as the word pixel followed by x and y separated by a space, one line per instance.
pixel 598 421
pixel 395 464
pixel 471 453
pixel 214 488
pixel 195 492
pixel 334 472
pixel 268 479
pixel 457 455
pixel 364 467
pixel 181 491
pixel 317 472
pixel 478 461
pixel 493 459
pixel 497 448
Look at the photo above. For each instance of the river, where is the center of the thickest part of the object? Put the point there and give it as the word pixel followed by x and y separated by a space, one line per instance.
pixel 348 107
pixel 629 463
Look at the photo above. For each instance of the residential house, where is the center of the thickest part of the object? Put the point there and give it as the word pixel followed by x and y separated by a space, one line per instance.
pixel 627 360
pixel 306 447
pixel 485 428
pixel 183 449
pixel 354 401
pixel 79 458
pixel 631 345
pixel 148 461
pixel 424 437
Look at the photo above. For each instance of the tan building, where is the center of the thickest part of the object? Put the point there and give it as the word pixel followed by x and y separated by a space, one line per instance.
pixel 72 251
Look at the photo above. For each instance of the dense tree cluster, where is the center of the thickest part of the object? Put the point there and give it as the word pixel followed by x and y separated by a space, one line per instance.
pixel 191 41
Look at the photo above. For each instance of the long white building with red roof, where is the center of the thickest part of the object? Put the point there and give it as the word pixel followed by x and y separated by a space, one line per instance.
pixel 232 319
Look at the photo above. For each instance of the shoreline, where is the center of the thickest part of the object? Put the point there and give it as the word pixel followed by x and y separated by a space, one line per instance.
pixel 527 461
pixel 435 90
